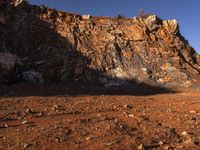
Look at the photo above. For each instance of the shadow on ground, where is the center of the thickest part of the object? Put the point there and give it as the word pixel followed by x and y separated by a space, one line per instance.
pixel 77 89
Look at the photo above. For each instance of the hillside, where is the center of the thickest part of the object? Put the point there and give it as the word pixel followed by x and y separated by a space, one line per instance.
pixel 42 45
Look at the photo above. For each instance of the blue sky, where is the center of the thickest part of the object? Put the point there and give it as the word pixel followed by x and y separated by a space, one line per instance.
pixel 186 12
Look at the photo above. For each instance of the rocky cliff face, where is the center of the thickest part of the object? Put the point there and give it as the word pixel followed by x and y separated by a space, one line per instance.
pixel 48 45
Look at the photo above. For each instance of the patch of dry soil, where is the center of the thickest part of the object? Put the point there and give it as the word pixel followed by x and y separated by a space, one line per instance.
pixel 97 121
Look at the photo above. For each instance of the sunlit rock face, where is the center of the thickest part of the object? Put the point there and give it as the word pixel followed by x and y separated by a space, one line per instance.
pixel 60 46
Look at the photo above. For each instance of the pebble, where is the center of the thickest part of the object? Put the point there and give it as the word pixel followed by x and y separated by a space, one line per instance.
pixel 131 115
pixel 24 122
pixel 55 108
pixel 193 112
pixel 125 113
pixel 29 111
pixel 166 147
pixel 57 140
pixel 140 147
pixel 40 114
pixel 128 106
pixel 26 145
pixel 6 125
pixel 184 133
pixel 88 138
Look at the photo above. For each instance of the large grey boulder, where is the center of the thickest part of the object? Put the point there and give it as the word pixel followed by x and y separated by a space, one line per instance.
pixel 9 64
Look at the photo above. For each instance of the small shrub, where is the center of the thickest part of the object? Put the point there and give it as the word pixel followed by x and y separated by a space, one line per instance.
pixel 121 16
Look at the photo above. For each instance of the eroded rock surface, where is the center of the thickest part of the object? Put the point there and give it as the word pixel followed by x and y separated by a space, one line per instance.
pixel 113 51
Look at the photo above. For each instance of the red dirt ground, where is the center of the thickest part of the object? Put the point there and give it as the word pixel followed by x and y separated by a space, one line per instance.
pixel 55 118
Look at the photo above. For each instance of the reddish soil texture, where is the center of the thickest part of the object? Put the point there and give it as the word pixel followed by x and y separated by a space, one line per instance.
pixel 30 120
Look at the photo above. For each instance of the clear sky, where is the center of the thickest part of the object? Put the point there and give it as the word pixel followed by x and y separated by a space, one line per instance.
pixel 186 12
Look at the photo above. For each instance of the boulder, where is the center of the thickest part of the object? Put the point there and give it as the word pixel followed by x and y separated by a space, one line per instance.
pixel 171 26
pixel 9 61
pixel 2 19
pixel 9 65
pixel 152 22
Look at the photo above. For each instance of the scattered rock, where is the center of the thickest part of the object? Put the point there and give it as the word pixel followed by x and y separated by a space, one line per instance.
pixel 6 125
pixel 26 145
pixel 25 122
pixel 29 111
pixel 55 108
pixel 167 147
pixel 184 133
pixel 193 112
pixel 131 115
pixel 40 114
pixel 141 147
pixel 89 138
pixel 128 106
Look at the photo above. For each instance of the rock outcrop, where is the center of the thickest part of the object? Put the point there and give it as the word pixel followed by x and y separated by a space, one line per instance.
pixel 59 46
